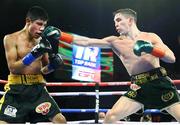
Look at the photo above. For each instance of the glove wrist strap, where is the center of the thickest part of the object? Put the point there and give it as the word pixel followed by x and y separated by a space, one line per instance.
pixel 158 52
pixel 28 59
pixel 66 37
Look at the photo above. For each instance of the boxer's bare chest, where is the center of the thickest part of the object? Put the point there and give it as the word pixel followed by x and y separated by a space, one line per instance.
pixel 24 46
pixel 123 47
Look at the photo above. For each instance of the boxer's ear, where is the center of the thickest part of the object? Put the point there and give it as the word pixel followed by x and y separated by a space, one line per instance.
pixel 131 20
pixel 28 20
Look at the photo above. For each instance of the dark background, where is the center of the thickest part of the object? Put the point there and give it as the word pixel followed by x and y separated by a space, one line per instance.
pixel 94 18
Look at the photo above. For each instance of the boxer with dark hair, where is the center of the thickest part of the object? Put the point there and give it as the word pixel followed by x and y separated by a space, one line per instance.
pixel 140 53
pixel 27 53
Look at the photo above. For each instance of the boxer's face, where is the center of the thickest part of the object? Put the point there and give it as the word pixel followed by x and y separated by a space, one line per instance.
pixel 37 27
pixel 121 24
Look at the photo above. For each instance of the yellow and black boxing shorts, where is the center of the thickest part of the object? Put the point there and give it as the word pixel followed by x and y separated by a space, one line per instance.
pixel 24 80
pixel 27 99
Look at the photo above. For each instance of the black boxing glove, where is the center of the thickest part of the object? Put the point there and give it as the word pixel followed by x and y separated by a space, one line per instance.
pixel 42 47
pixel 55 61
pixel 52 33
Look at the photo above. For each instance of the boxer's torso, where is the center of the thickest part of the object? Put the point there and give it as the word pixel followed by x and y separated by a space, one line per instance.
pixel 123 47
pixel 23 45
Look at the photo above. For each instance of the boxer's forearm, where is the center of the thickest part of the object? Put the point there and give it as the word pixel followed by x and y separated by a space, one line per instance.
pixel 80 40
pixel 16 67
pixel 86 41
pixel 169 57
pixel 55 33
pixel 159 50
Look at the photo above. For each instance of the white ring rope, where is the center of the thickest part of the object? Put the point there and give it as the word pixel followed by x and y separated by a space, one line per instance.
pixel 81 93
pixel 85 93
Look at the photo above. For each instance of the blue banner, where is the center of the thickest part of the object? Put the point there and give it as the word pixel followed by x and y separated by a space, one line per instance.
pixel 86 63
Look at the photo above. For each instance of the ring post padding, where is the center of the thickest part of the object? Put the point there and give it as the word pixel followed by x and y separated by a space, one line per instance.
pixel 96 102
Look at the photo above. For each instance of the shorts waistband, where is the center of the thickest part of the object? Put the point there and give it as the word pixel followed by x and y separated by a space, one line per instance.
pixel 25 79
pixel 151 75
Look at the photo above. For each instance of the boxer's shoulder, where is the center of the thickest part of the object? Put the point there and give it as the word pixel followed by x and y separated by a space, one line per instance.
pixel 14 37
pixel 8 38
pixel 147 34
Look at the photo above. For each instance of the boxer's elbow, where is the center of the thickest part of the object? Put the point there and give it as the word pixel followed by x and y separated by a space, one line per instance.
pixel 16 68
pixel 13 70
pixel 169 59
pixel 173 60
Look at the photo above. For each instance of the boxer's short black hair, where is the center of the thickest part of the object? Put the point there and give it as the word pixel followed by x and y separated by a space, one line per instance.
pixel 37 12
pixel 127 12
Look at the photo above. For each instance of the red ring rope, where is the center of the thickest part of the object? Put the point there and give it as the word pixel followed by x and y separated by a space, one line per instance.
pixel 89 83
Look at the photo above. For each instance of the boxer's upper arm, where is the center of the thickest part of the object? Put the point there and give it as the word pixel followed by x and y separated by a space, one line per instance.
pixel 156 40
pixel 105 42
pixel 169 55
pixel 10 50
pixel 110 39
pixel 98 42
pixel 159 43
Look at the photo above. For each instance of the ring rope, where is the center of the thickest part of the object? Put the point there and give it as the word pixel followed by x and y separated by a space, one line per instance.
pixel 92 122
pixel 81 93
pixel 89 83
pixel 92 94
pixel 147 111
pixel 85 93
pixel 124 122
pixel 82 110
